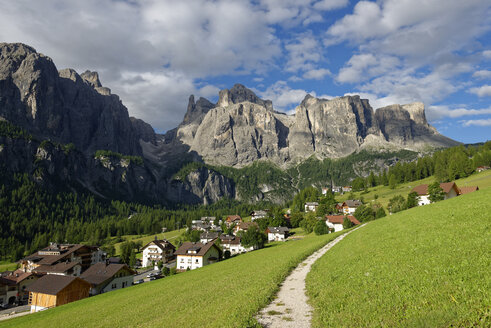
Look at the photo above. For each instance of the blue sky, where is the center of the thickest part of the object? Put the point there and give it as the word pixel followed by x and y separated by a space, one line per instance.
pixel 154 54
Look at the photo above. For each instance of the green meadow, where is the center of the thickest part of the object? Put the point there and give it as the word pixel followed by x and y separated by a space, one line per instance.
pixel 145 239
pixel 225 294
pixel 425 267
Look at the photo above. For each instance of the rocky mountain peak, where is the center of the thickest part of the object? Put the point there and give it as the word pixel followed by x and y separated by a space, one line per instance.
pixel 91 78
pixel 196 110
pixel 239 93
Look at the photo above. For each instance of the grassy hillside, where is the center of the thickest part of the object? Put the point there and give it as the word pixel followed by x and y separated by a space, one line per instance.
pixel 424 267
pixel 171 235
pixel 384 193
pixel 225 294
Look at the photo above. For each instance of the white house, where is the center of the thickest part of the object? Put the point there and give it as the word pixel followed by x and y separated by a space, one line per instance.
pixel 350 206
pixel 277 233
pixel 196 255
pixel 258 215
pixel 244 226
pixel 450 190
pixel 157 250
pixel 105 278
pixel 336 221
pixel 346 189
pixel 208 236
pixel 233 245
pixel 311 206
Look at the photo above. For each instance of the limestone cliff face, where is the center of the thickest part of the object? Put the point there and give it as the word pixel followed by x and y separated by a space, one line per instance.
pixel 63 106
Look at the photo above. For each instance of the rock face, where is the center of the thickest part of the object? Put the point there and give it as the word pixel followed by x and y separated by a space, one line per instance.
pixel 62 106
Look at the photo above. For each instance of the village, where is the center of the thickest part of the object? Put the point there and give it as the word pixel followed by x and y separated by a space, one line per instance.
pixel 62 273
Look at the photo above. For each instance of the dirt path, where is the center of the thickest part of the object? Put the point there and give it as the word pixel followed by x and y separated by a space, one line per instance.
pixel 290 308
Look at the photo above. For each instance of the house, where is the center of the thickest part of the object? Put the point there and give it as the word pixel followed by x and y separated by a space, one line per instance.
pixel 311 206
pixel 108 277
pixel 335 222
pixel 21 280
pixel 63 268
pixel 277 233
pixel 350 206
pixel 482 168
pixel 450 190
pixel 157 250
pixel 468 190
pixel 337 189
pixel 233 244
pixel 233 219
pixel 258 215
pixel 244 226
pixel 8 291
pixel 206 223
pixel 346 189
pixel 58 253
pixel 206 237
pixel 55 290
pixel 114 260
pixel 196 255
pixel 339 207
pixel 325 190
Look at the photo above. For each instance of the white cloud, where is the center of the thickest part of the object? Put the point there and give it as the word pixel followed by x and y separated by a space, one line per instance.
pixel 365 66
pixel 434 113
pixel 330 4
pixel 258 79
pixel 482 74
pixel 304 52
pixel 486 54
pixel 483 91
pixel 484 122
pixel 316 74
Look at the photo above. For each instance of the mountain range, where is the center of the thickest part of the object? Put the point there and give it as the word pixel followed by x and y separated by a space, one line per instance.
pixel 63 107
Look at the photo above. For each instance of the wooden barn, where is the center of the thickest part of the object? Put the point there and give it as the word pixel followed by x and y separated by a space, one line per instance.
pixel 55 290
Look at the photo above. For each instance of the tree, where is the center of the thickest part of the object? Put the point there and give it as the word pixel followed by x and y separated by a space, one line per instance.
pixel 396 204
pixel 165 271
pixel 253 237
pixel 364 213
pixel 392 181
pixel 347 223
pixel 295 219
pixel 380 213
pixel 132 260
pixel 435 192
pixel 358 184
pixel 321 227
pixel 412 200
pixel 227 254
pixel 160 265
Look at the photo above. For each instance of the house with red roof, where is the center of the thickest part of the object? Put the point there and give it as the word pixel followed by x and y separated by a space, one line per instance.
pixel 335 222
pixel 450 190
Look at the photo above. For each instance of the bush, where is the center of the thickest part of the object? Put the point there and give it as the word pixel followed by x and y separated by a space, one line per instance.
pixel 396 204
pixel 347 223
pixel 227 254
pixel 321 228
pixel 165 271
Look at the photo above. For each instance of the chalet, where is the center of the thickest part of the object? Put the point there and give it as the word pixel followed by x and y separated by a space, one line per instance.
pixel 336 189
pixel 22 280
pixel 335 222
pixel 258 215
pixel 206 237
pixel 233 219
pixel 277 233
pixel 350 206
pixel 346 189
pixel 108 277
pixel 196 255
pixel 206 223
pixel 339 207
pixel 482 168
pixel 62 268
pixel 62 253
pixel 244 226
pixel 450 190
pixel 233 244
pixel 325 190
pixel 54 290
pixel 468 190
pixel 311 206
pixel 157 250
pixel 8 291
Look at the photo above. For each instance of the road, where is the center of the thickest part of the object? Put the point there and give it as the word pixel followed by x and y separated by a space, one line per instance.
pixel 146 273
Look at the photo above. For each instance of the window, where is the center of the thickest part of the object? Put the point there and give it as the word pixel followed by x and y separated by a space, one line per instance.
pixel 113 286
pixel 196 260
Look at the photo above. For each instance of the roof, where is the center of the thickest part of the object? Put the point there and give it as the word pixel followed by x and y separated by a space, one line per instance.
pixel 16 276
pixel 200 248
pixel 278 229
pixel 100 272
pixel 233 218
pixel 209 235
pixel 52 284
pixel 352 203
pixel 162 244
pixel 469 189
pixel 422 190
pixel 259 213
pixel 312 204
pixel 56 268
pixel 245 225
pixel 339 219
pixel 65 250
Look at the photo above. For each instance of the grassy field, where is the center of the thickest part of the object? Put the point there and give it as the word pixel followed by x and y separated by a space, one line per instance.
pixel 425 267
pixel 225 294
pixel 483 180
pixel 171 235
pixel 4 266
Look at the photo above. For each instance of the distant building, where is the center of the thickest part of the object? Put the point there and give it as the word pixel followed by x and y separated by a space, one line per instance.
pixel 8 291
pixel 233 244
pixel 244 226
pixel 206 223
pixel 54 290
pixel 233 219
pixel 260 214
pixel 196 255
pixel 206 237
pixel 350 206
pixel 104 278
pixel 157 250
pixel 335 222
pixel 277 233
pixel 450 190
pixel 346 189
pixel 21 280
pixel 311 206
pixel 482 168
pixel 468 190
pixel 63 268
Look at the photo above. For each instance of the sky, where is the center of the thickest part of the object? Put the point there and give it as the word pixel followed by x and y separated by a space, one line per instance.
pixel 154 54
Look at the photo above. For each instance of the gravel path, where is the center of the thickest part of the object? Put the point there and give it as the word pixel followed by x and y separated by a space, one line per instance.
pixel 290 308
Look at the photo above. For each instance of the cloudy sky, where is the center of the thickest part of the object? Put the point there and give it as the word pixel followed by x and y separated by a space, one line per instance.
pixel 154 54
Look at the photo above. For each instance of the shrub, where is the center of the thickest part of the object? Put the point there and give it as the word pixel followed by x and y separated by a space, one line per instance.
pixel 321 228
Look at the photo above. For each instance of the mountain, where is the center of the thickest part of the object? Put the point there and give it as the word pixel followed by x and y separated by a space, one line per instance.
pixel 75 133
pixel 242 128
